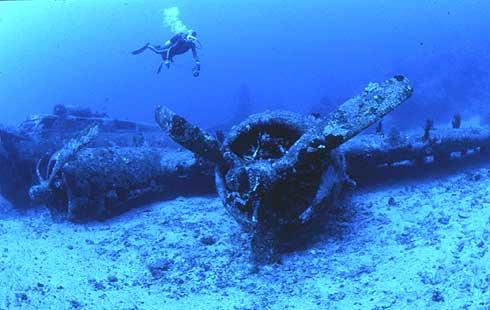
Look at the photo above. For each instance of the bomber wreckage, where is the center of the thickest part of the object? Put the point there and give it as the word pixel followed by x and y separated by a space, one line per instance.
pixel 84 166
pixel 274 172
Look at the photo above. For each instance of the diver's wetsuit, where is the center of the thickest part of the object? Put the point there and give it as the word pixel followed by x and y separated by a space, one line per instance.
pixel 177 45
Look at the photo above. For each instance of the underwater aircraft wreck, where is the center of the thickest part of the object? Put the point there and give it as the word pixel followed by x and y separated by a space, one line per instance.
pixel 84 165
pixel 274 172
pixel 368 155
pixel 279 169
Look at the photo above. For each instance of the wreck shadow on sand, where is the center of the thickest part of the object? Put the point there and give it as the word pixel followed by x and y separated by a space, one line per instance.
pixel 333 224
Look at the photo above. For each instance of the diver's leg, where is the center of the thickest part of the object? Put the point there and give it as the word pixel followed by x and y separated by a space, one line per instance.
pixel 164 60
pixel 141 50
pixel 156 49
pixel 160 68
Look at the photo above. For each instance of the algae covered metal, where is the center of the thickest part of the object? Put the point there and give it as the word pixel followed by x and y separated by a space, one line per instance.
pixel 84 165
pixel 278 169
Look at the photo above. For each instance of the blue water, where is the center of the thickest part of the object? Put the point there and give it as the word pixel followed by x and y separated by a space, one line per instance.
pixel 419 244
pixel 288 54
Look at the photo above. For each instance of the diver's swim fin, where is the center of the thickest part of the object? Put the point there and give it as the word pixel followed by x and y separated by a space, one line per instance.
pixel 140 50
pixel 160 68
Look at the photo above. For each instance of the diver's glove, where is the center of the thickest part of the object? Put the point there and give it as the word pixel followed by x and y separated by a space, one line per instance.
pixel 167 63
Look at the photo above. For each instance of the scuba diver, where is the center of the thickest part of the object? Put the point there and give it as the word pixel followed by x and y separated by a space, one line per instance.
pixel 177 45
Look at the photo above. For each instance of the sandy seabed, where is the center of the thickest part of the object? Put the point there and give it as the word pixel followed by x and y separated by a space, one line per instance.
pixel 413 244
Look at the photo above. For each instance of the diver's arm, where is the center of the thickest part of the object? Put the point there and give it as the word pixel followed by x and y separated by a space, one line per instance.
pixel 167 58
pixel 197 68
pixel 194 55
